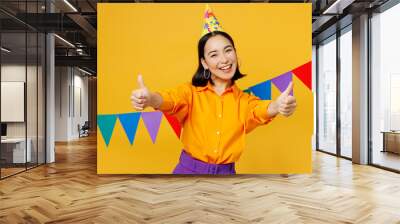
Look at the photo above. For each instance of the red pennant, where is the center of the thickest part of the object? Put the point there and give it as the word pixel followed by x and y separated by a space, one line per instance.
pixel 304 74
pixel 174 124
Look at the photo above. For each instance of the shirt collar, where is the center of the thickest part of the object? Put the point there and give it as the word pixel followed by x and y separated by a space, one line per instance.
pixel 234 88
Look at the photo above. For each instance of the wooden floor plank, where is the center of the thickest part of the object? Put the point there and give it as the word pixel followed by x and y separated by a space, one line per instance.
pixel 70 191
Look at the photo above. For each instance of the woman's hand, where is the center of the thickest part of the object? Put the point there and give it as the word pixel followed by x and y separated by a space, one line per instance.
pixel 285 104
pixel 142 97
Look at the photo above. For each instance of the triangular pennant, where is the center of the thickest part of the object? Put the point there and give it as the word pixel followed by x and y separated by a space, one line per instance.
pixel 282 81
pixel 106 123
pixel 130 123
pixel 152 122
pixel 304 74
pixel 174 124
pixel 262 90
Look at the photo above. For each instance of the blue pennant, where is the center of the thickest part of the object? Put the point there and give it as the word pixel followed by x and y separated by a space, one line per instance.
pixel 262 90
pixel 130 122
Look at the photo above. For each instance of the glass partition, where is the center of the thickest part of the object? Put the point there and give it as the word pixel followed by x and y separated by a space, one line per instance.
pixel 22 88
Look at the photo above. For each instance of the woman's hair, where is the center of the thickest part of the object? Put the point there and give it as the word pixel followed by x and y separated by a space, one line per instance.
pixel 198 77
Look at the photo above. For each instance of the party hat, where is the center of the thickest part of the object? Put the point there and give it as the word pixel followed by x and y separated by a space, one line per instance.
pixel 210 22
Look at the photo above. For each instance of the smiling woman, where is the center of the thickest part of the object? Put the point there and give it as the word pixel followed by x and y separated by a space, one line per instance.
pixel 204 89
pixel 214 112
pixel 217 60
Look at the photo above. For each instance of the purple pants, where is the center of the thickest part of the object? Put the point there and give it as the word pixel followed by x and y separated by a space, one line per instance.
pixel 190 165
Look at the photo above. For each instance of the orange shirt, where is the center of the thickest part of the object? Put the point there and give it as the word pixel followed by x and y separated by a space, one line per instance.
pixel 214 126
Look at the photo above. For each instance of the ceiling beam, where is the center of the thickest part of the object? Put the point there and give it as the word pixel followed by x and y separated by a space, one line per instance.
pixel 83 61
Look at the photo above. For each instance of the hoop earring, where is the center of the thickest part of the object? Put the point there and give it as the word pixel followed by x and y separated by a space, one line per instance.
pixel 206 76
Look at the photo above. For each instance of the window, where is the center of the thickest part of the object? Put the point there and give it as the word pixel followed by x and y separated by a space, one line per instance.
pixel 346 93
pixel 385 88
pixel 327 95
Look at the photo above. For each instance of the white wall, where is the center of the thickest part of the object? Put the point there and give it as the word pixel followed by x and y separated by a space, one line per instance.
pixel 80 102
pixel 62 80
pixel 13 73
pixel 33 127
pixel 71 94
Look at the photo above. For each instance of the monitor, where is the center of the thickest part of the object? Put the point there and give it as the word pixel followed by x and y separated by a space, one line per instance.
pixel 3 129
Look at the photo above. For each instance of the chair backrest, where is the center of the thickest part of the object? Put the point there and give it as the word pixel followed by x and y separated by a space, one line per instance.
pixel 86 125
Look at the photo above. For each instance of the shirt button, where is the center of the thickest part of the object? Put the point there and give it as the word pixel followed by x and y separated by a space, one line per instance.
pixel 215 151
pixel 218 132
pixel 219 115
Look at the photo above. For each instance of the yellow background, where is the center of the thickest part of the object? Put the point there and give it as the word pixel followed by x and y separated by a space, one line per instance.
pixel 160 42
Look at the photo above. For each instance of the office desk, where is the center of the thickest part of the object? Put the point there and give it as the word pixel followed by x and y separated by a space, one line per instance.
pixel 391 141
pixel 13 150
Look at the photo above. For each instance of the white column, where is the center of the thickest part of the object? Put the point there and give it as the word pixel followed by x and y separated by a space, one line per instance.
pixel 50 92
pixel 50 100
pixel 314 73
pixel 360 90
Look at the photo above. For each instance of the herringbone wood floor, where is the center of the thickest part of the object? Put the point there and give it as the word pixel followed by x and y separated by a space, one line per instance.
pixel 70 191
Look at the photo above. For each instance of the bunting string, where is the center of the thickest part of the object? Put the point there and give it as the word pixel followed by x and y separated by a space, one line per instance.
pixel 152 120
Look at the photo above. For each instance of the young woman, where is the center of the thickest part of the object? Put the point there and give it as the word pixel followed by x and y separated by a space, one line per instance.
pixel 215 114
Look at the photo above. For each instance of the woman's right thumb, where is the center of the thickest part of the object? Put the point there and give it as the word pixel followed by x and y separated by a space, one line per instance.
pixel 140 81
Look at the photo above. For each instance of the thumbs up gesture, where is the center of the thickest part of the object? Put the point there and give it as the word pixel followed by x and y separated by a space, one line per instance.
pixel 285 104
pixel 141 97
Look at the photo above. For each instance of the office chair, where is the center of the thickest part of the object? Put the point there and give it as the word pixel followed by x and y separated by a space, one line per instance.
pixel 84 130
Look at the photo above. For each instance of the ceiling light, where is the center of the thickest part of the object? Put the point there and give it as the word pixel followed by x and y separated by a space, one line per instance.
pixel 70 5
pixel 5 50
pixel 64 40
pixel 84 71
pixel 338 6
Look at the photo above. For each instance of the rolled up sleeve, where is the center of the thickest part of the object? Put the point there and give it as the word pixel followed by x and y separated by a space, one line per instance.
pixel 257 113
pixel 176 101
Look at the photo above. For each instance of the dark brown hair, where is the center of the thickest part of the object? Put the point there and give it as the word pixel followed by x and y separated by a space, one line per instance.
pixel 198 78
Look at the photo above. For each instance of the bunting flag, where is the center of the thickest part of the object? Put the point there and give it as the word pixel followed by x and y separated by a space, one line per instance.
pixel 152 121
pixel 282 81
pixel 175 124
pixel 303 72
pixel 262 90
pixel 106 123
pixel 130 122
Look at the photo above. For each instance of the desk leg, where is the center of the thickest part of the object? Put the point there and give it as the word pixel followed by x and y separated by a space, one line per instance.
pixel 384 142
